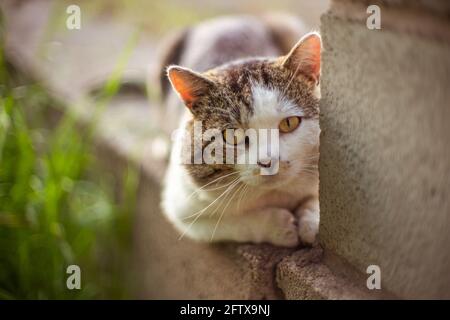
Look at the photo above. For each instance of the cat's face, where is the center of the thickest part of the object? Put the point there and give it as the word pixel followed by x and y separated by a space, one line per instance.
pixel 264 95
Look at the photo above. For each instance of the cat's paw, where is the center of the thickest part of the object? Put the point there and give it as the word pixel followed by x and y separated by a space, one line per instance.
pixel 308 225
pixel 282 228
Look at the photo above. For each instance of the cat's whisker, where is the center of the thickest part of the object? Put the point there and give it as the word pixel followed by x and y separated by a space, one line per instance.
pixel 190 225
pixel 246 187
pixel 307 166
pixel 220 187
pixel 315 157
pixel 310 166
pixel 309 171
pixel 211 182
pixel 216 180
pixel 228 191
pixel 313 172
pixel 204 209
pixel 223 211
pixel 240 186
pixel 306 161
pixel 312 144
pixel 198 214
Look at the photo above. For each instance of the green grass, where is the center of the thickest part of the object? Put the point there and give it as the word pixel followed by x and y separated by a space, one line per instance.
pixel 57 206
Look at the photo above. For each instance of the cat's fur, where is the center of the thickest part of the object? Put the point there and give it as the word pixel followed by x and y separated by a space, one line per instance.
pixel 202 200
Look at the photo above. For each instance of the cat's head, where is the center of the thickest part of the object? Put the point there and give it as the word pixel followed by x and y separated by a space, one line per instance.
pixel 277 93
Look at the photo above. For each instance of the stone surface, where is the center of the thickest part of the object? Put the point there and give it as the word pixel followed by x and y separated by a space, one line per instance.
pixel 302 275
pixel 384 168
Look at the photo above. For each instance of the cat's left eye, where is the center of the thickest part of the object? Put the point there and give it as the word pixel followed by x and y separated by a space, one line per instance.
pixel 289 124
pixel 233 136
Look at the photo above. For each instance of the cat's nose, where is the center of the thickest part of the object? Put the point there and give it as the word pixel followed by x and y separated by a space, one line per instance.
pixel 264 163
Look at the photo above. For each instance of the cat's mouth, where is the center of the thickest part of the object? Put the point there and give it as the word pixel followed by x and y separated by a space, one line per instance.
pixel 266 177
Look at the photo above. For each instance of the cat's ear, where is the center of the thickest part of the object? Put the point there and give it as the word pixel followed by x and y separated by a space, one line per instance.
pixel 304 57
pixel 189 84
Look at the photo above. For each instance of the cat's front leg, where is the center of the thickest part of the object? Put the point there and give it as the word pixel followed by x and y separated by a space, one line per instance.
pixel 272 225
pixel 308 215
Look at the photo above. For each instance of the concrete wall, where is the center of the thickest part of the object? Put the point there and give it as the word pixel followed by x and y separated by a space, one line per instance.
pixel 385 145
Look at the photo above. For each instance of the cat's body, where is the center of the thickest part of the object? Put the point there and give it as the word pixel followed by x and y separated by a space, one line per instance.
pixel 234 201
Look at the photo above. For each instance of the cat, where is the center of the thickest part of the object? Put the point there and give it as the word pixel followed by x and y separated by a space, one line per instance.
pixel 236 72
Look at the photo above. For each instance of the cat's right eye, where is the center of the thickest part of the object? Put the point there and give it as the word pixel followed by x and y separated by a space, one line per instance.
pixel 289 124
pixel 233 136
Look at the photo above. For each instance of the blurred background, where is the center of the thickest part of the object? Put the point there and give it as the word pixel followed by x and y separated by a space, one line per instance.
pixel 67 98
